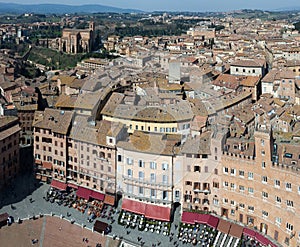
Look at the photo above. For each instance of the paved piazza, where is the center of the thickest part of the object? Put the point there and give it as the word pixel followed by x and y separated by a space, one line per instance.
pixel 51 231
pixel 54 229
pixel 25 200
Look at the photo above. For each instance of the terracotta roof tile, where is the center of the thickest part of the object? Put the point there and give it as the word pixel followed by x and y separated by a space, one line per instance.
pixel 55 120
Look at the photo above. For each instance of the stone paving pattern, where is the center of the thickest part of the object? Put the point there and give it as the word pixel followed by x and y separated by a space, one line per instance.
pixel 26 199
pixel 57 232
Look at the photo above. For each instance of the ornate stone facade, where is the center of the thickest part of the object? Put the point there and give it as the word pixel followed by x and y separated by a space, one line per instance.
pixel 77 40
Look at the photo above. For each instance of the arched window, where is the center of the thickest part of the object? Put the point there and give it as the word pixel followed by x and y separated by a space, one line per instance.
pixel 102 155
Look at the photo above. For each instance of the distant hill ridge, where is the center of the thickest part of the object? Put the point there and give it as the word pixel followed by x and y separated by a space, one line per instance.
pixel 60 8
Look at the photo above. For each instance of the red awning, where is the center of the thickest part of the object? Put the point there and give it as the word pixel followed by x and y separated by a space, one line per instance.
pixel 58 185
pixel 213 221
pixel 224 226
pixel 38 162
pixel 4 217
pixel 249 232
pixel 236 231
pixel 47 165
pixel 202 218
pixel 100 226
pixel 272 244
pixel 157 212
pixel 84 193
pixel 97 195
pixel 189 217
pixel 133 206
pixel 109 200
pixel 263 240
pixel 74 186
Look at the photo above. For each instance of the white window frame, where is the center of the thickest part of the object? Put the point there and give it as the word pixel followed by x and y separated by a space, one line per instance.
pixel 225 170
pixel 153 165
pixel 152 177
pixel 241 173
pixel 141 191
pixel 164 166
pixel 250 190
pixel 232 171
pixel 129 173
pixel 288 186
pixel 264 179
pixel 129 161
pixel 278 221
pixel 141 175
pixel 141 164
pixel 242 188
pixel 165 179
pixel 277 183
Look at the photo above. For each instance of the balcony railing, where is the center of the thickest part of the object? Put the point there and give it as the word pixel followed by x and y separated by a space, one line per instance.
pixel 202 191
pixel 103 159
pixel 147 199
pixel 145 182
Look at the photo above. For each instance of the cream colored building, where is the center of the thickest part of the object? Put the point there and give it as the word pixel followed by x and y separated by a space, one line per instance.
pixel 168 119
pixel 145 167
pixel 92 153
pixel 281 84
pixel 201 183
pixel 251 67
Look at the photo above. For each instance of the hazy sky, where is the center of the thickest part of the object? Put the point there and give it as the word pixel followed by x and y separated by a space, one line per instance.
pixel 178 5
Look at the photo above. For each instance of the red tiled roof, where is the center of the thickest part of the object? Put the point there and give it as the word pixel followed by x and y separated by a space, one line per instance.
pixel 249 63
